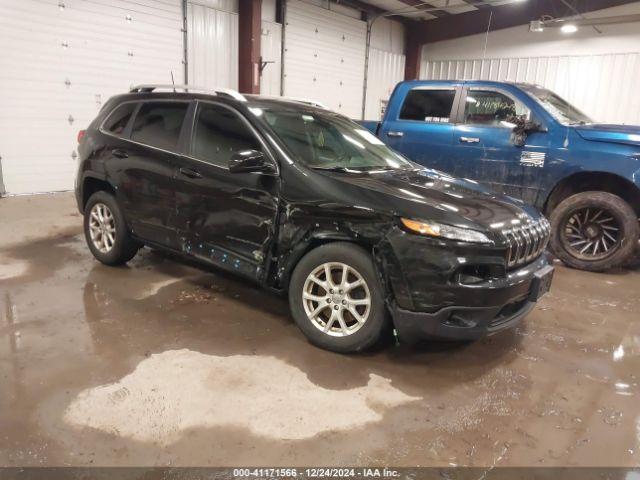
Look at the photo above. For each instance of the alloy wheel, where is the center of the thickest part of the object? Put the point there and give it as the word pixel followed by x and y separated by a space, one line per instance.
pixel 591 233
pixel 102 227
pixel 336 299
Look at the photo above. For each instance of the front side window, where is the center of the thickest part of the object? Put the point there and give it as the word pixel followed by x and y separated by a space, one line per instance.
pixel 158 124
pixel 484 107
pixel 326 140
pixel 219 132
pixel 428 105
pixel 119 118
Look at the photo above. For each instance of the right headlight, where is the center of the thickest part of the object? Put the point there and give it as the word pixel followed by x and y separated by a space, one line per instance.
pixel 435 229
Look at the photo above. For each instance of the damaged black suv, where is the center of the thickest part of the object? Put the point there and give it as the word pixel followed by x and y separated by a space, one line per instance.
pixel 302 200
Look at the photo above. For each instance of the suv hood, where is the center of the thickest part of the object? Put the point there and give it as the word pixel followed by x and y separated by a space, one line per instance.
pixel 431 195
pixel 627 134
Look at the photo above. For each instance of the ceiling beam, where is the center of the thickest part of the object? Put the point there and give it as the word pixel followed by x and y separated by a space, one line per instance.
pixel 504 16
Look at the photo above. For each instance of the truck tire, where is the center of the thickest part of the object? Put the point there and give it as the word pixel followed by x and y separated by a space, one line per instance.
pixel 594 231
pixel 346 314
pixel 106 231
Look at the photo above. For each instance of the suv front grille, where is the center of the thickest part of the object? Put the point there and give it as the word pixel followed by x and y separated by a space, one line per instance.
pixel 526 242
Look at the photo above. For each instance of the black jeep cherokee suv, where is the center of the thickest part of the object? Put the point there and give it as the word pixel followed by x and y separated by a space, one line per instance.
pixel 302 200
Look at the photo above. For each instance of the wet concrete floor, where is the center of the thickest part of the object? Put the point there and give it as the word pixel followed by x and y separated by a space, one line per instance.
pixel 162 363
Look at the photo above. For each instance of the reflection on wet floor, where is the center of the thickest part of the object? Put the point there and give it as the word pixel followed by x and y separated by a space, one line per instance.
pixel 161 362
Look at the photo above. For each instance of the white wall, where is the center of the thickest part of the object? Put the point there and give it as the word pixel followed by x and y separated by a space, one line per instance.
pixel 60 63
pixel 324 57
pixel 386 65
pixel 212 45
pixel 597 72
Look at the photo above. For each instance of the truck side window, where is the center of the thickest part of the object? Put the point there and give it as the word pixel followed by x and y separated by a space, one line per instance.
pixel 428 105
pixel 219 132
pixel 158 124
pixel 484 107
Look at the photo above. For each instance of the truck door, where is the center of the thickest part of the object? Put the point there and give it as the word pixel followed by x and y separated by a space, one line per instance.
pixel 484 148
pixel 421 128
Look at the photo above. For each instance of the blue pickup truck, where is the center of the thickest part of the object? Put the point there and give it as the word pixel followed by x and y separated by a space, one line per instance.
pixel 527 142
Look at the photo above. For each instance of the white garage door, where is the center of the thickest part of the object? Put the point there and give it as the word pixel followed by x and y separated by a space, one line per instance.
pixel 324 57
pixel 61 60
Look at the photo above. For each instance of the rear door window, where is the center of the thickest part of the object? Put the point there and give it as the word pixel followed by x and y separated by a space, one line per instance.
pixel 219 132
pixel 158 124
pixel 428 105
pixel 118 119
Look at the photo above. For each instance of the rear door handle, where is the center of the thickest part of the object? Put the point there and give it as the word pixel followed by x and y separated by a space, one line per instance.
pixel 470 139
pixel 190 172
pixel 118 152
pixel 395 134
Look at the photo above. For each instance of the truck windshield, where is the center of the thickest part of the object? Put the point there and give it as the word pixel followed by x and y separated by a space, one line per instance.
pixel 559 108
pixel 331 142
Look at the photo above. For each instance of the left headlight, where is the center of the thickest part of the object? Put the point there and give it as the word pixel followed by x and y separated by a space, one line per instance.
pixel 434 229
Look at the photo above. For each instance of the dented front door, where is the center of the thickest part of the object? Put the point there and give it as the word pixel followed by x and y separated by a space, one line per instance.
pixel 227 219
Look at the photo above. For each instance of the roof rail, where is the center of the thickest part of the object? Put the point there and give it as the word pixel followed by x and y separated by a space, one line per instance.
pixel 188 88
pixel 307 101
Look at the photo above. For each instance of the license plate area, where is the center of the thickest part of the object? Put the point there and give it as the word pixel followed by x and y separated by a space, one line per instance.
pixel 541 283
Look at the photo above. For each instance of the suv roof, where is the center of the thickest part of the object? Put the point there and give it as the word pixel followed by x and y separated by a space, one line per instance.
pixel 222 93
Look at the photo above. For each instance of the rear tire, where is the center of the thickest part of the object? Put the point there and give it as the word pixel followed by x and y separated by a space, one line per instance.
pixel 350 314
pixel 594 231
pixel 106 231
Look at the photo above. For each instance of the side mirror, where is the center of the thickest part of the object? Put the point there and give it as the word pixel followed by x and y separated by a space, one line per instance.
pixel 246 161
pixel 521 128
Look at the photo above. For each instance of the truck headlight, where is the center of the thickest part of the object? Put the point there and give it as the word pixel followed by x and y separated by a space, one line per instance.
pixel 434 229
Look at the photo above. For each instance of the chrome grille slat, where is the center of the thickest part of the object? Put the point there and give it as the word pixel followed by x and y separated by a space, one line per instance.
pixel 526 242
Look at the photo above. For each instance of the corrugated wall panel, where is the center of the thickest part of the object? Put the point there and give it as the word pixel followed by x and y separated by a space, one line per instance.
pixel 324 57
pixel 60 62
pixel 212 47
pixel 386 69
pixel 271 50
pixel 603 86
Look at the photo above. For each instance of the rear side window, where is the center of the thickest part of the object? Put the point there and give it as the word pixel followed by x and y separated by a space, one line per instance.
pixel 119 118
pixel 158 124
pixel 428 105
pixel 219 132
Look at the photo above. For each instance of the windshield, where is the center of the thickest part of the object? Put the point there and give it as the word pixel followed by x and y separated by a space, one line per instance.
pixel 559 108
pixel 330 141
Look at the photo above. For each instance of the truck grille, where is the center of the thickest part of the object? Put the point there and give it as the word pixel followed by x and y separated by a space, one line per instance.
pixel 526 242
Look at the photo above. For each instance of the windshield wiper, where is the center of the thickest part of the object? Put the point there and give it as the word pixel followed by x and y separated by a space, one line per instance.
pixel 332 169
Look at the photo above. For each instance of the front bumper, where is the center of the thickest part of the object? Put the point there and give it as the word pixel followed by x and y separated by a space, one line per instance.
pixel 431 301
pixel 469 323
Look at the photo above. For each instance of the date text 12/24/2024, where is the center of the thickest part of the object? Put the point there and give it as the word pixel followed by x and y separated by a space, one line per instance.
pixel 316 472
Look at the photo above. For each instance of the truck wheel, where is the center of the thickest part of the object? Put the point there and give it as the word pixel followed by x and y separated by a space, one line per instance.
pixel 336 298
pixel 594 231
pixel 106 231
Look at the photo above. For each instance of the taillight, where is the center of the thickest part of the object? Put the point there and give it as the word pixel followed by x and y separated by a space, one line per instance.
pixel 81 135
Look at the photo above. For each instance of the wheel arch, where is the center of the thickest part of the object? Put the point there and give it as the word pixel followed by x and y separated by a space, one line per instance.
pixel 91 185
pixel 315 239
pixel 593 181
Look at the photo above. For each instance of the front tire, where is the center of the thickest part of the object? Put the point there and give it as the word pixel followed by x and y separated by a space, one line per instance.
pixel 594 231
pixel 336 298
pixel 106 231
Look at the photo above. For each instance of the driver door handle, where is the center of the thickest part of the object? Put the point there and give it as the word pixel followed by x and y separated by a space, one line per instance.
pixel 394 134
pixel 190 172
pixel 470 139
